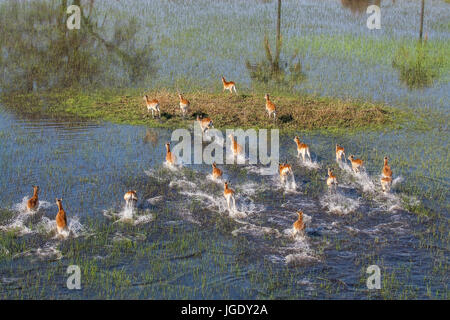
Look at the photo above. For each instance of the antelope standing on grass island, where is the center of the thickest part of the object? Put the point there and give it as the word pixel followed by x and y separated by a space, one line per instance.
pixel 61 219
pixel 205 123
pixel 228 85
pixel 170 158
pixel 216 172
pixel 236 148
pixel 340 152
pixel 357 164
pixel 152 105
pixel 184 105
pixel 33 202
pixel 302 149
pixel 331 180
pixel 229 196
pixel 299 225
pixel 285 171
pixel 270 107
pixel 130 198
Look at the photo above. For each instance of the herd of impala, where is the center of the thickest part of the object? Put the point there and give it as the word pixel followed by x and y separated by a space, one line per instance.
pixel 285 169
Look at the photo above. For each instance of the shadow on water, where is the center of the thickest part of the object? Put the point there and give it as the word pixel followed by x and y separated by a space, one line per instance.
pixel 40 52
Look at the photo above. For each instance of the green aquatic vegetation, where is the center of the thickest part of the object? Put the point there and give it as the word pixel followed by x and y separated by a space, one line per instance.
pixel 418 67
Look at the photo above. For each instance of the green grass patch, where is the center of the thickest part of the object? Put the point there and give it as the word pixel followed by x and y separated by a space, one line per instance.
pixel 126 106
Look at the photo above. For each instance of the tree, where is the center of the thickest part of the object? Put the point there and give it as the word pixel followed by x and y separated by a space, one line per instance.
pixel 285 73
pixel 38 51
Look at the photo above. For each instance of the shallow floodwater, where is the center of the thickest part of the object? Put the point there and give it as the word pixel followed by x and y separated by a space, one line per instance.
pixel 182 242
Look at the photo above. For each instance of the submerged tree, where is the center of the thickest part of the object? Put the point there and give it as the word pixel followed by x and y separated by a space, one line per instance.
pixel 38 51
pixel 418 66
pixel 273 68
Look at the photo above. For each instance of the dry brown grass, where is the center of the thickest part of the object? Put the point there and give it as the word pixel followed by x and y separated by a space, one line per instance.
pixel 227 110
pixel 300 112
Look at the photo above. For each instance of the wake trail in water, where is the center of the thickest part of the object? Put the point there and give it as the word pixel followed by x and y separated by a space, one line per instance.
pixel 129 214
pixel 337 203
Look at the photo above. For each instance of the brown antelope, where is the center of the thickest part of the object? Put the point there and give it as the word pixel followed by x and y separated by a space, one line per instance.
pixel 61 219
pixel 386 183
pixel 130 198
pixel 331 180
pixel 33 202
pixel 205 123
pixel 299 225
pixel 170 158
pixel 152 105
pixel 236 148
pixel 270 107
pixel 184 104
pixel 216 172
pixel 386 172
pixel 302 149
pixel 228 85
pixel 229 196
pixel 285 170
pixel 357 164
pixel 340 152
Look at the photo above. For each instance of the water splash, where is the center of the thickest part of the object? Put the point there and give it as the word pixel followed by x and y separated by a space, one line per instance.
pixel 308 163
pixel 361 178
pixel 18 225
pixel 48 251
pixel 337 203
pixel 21 207
pixel 254 230
pixel 129 214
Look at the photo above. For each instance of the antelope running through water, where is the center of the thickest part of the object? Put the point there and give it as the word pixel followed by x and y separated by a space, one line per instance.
pixel 302 149
pixel 357 164
pixel 236 148
pixel 216 172
pixel 61 219
pixel 299 225
pixel 340 152
pixel 170 158
pixel 285 171
pixel 33 202
pixel 229 196
pixel 130 198
pixel 386 176
pixel 205 123
pixel 331 180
